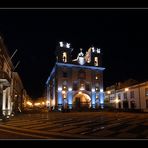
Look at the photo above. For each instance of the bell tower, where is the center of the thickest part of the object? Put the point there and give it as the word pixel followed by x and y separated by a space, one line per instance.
pixel 63 52
pixel 96 57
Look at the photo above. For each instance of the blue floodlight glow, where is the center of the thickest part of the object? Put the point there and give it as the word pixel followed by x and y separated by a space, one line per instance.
pixel 59 88
pixel 69 89
pixel 60 98
pixel 101 98
pixel 93 98
pixel 101 90
pixel 93 90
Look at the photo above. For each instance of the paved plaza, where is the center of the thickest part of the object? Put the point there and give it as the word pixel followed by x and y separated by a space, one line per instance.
pixel 76 125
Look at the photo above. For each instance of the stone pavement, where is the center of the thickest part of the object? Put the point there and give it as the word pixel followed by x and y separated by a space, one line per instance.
pixel 76 125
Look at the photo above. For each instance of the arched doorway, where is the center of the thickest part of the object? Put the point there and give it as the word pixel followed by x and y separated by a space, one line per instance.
pixel 81 101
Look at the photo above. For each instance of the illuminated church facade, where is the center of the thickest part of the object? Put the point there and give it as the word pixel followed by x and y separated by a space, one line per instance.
pixel 76 83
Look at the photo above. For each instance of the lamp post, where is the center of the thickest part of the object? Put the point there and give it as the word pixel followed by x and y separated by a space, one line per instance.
pixel 109 92
pixel 116 102
pixel 126 90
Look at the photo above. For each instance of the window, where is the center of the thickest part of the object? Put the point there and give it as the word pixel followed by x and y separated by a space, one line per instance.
pixel 119 96
pixel 125 104
pixel 64 74
pixel 75 86
pixel 64 57
pixel 132 94
pixel 81 74
pixel 87 87
pixel 82 87
pixel 97 88
pixel 146 91
pixel 132 104
pixel 64 87
pixel 125 95
pixel 96 61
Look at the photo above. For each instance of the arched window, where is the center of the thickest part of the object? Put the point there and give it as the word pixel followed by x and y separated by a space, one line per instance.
pixel 96 61
pixel 64 57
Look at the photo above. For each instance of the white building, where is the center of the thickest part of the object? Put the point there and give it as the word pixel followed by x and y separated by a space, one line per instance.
pixel 76 83
pixel 129 97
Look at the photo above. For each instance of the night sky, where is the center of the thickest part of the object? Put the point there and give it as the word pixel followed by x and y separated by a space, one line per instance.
pixel 121 34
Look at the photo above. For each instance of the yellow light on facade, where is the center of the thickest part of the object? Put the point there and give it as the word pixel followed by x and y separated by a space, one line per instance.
pixel 63 92
pixel 80 92
pixel 29 103
pixel 96 77
pixel 43 103
pixel 126 89
pixel 47 102
pixel 37 104
pixel 117 100
pixel 108 92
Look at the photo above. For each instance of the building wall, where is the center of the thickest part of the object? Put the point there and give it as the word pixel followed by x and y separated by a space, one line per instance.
pixel 5 80
pixel 7 85
pixel 72 75
pixel 139 98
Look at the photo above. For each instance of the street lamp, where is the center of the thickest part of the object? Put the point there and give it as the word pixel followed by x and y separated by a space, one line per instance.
pixel 109 92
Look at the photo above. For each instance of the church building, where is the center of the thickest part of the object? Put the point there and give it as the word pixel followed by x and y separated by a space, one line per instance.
pixel 76 83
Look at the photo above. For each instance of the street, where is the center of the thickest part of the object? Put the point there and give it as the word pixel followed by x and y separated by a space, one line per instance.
pixel 76 125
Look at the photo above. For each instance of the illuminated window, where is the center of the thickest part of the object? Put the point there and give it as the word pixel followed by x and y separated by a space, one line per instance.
pixel 64 57
pixel 64 87
pixel 82 87
pixel 97 88
pixel 146 91
pixel 96 61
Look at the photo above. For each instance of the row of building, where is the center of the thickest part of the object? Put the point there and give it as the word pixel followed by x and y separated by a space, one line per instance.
pixel 12 92
pixel 128 95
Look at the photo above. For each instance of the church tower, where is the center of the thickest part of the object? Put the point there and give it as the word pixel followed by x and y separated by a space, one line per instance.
pixel 96 57
pixel 63 52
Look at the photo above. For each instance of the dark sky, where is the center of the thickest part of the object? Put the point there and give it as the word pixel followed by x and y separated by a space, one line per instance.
pixel 121 34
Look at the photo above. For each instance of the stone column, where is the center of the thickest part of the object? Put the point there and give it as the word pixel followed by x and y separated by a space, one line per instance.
pixel 48 96
pixel 69 96
pixel 60 100
pixel 1 98
pixel 9 102
pixel 102 99
pixel 4 102
pixel 93 99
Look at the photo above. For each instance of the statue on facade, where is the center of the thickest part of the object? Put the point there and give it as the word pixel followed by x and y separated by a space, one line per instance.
pixel 80 58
